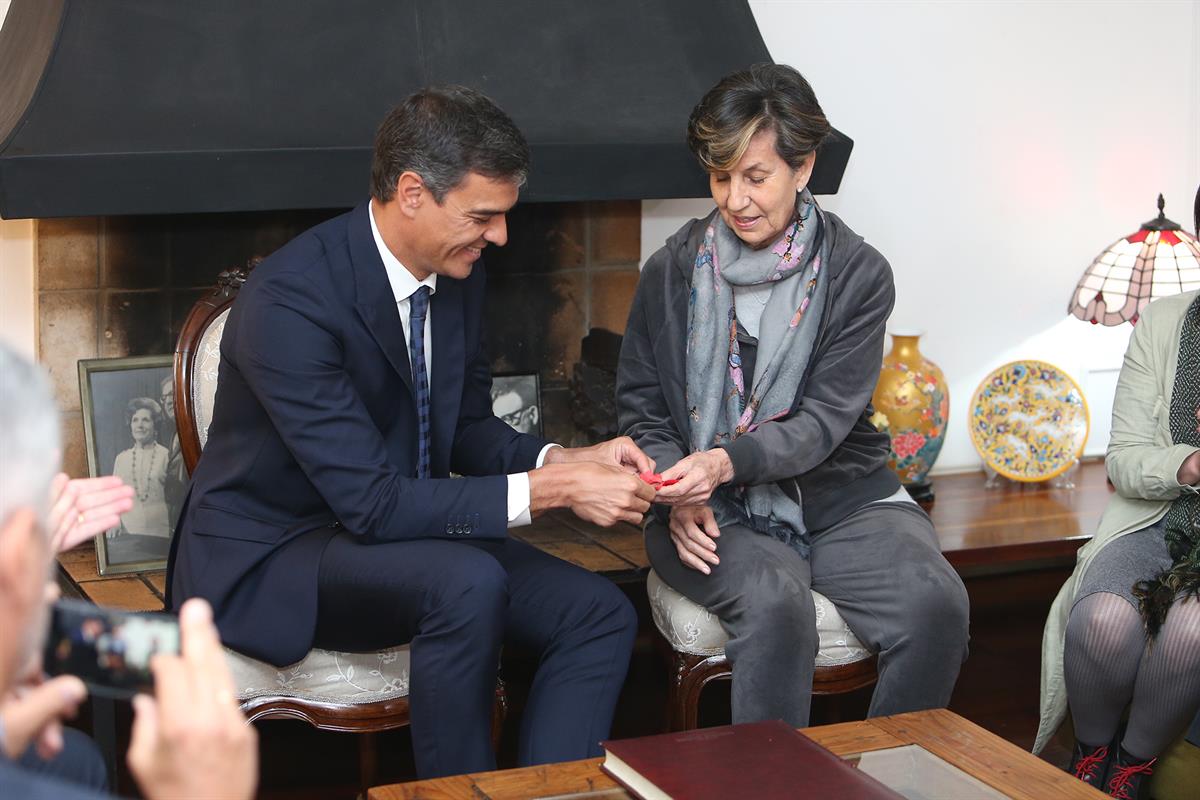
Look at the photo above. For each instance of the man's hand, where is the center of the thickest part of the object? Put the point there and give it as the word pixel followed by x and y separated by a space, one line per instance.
pixel 694 532
pixel 698 477
pixel 84 507
pixel 598 493
pixel 619 452
pixel 190 740
pixel 33 713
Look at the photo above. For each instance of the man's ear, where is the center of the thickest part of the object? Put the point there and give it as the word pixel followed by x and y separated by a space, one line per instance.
pixel 410 192
pixel 18 546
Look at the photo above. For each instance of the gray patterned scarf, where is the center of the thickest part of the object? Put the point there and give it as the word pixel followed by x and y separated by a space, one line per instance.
pixel 1182 521
pixel 721 404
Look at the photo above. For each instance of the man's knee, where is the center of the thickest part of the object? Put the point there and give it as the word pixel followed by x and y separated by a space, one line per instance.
pixel 606 608
pixel 476 583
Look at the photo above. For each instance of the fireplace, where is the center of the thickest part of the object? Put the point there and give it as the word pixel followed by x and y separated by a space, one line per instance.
pixel 109 287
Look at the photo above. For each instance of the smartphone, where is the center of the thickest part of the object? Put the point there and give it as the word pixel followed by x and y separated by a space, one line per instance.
pixel 108 649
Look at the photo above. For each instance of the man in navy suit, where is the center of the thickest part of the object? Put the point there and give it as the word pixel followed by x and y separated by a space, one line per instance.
pixel 353 380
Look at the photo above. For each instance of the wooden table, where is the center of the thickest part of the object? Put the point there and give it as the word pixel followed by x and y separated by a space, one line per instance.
pixel 980 754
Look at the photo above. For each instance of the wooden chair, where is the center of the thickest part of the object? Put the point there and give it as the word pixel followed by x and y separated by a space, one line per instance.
pixel 356 692
pixel 697 644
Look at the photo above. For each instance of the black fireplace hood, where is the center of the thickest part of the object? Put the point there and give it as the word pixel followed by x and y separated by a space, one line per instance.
pixel 172 106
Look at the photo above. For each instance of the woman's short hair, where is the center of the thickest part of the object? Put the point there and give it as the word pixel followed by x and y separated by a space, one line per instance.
pixel 137 404
pixel 773 96
pixel 441 133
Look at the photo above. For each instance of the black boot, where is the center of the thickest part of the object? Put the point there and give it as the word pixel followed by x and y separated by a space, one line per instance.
pixel 1129 776
pixel 1091 764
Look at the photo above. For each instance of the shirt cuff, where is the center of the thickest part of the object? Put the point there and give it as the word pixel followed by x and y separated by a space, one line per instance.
pixel 518 493
pixel 541 459
pixel 518 499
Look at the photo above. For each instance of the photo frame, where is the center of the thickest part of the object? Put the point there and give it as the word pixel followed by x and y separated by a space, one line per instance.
pixel 129 431
pixel 517 399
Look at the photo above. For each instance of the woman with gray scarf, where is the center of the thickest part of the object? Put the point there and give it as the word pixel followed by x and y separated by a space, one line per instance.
pixel 752 348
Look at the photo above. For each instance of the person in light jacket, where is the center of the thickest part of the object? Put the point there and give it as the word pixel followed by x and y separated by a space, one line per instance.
pixel 1124 630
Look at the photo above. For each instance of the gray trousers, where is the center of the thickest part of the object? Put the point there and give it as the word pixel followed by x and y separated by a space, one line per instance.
pixel 883 569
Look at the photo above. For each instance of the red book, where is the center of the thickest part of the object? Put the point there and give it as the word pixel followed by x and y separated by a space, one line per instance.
pixel 763 760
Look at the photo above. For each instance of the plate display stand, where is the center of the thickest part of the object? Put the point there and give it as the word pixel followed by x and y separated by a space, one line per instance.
pixel 1064 480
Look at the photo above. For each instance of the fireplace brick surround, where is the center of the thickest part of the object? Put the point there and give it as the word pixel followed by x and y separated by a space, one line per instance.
pixel 110 287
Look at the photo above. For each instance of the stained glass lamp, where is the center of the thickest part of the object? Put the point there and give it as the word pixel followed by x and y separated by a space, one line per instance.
pixel 1160 259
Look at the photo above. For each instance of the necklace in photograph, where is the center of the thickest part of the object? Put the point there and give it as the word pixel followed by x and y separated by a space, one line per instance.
pixel 141 485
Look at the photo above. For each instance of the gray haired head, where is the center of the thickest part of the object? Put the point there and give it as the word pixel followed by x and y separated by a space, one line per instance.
pixel 30 435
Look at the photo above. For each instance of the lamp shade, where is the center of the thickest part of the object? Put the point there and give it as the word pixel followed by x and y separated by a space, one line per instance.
pixel 1160 259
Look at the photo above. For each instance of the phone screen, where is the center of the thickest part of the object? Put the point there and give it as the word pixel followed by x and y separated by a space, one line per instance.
pixel 107 649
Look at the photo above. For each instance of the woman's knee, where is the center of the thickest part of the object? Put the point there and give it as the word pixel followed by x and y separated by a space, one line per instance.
pixel 786 611
pixel 1182 629
pixel 1103 622
pixel 938 603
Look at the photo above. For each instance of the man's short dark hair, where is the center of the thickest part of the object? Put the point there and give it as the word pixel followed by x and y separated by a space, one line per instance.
pixel 441 133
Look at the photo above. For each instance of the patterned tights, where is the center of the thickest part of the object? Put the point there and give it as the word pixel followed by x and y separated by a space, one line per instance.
pixel 1110 664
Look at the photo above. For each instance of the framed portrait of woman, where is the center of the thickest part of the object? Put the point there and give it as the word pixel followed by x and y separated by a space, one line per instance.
pixel 129 431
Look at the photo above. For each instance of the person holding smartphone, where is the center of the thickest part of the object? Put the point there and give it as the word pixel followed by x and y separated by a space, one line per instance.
pixel 189 740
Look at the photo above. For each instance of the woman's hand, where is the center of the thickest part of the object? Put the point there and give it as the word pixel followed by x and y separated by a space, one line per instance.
pixel 84 507
pixel 698 477
pixel 694 533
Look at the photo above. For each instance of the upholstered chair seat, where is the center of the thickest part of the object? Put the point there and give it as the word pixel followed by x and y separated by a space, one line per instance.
pixel 692 628
pixel 697 643
pixel 323 676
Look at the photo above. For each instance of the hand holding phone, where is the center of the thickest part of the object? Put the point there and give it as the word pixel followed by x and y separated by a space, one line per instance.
pixel 108 649
pixel 191 740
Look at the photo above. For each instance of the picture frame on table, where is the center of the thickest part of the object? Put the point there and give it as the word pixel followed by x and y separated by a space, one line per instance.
pixel 517 399
pixel 129 431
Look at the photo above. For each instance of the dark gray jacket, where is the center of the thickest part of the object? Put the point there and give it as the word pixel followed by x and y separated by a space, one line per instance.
pixel 826 443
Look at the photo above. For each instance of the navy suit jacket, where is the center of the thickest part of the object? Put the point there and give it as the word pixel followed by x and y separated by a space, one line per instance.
pixel 315 429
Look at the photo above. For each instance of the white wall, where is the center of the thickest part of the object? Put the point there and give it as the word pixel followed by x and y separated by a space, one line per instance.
pixel 18 295
pixel 18 327
pixel 999 147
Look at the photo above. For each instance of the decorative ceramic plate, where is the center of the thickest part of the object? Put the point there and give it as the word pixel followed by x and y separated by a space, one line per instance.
pixel 1029 421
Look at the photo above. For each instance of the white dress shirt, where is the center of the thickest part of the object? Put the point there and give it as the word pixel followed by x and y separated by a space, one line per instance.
pixel 404 285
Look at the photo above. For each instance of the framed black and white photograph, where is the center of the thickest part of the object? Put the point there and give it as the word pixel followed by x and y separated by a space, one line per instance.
pixel 129 431
pixel 517 400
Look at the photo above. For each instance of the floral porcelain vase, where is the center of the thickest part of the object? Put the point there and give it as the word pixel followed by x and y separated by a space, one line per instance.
pixel 912 404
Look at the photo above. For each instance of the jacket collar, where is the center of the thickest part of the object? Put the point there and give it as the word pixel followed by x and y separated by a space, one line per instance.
pixel 374 300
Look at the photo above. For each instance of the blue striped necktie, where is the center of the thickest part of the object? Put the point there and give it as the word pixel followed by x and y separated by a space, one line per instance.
pixel 418 308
